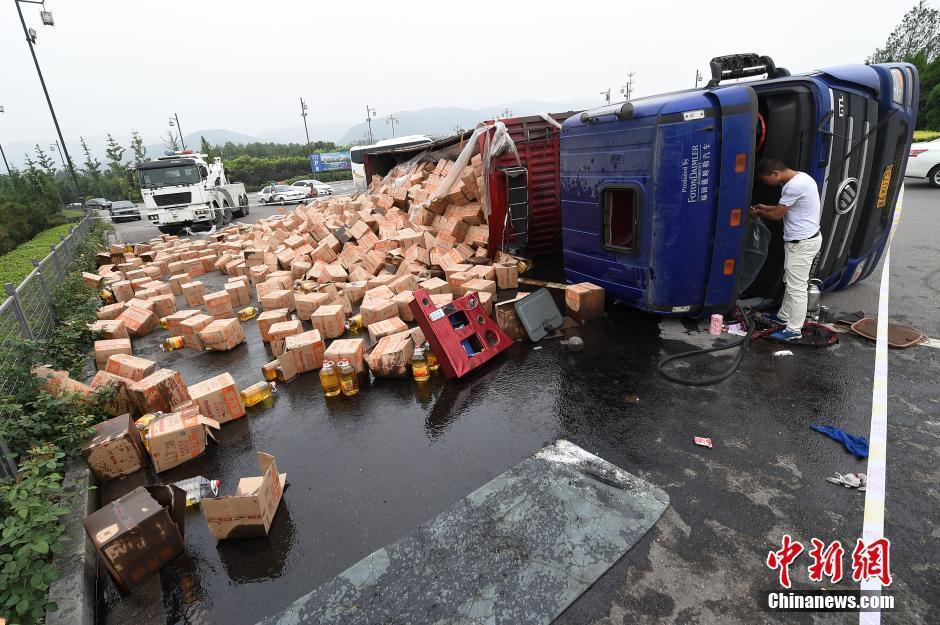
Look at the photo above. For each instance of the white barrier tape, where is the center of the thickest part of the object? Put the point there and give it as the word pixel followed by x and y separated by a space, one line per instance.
pixel 873 525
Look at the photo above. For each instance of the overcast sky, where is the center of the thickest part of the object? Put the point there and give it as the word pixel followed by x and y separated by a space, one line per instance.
pixel 121 65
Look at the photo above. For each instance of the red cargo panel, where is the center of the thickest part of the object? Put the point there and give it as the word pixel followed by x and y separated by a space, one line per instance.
pixel 537 144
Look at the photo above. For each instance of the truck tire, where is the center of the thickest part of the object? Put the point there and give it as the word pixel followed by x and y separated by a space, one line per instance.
pixel 242 207
pixel 169 229
pixel 226 215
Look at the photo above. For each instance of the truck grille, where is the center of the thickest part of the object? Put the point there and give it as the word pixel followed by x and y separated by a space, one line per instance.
pixel 169 199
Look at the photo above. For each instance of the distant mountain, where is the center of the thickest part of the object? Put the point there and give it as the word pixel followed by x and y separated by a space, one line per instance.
pixel 444 120
pixel 295 134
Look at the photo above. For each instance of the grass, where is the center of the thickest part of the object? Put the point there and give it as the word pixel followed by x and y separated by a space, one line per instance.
pixel 16 264
pixel 72 214
pixel 925 135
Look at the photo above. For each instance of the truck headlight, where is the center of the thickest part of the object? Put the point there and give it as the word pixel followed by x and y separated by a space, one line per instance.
pixel 897 86
pixel 152 217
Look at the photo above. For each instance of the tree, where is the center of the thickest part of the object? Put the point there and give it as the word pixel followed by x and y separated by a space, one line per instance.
pixel 138 148
pixel 204 147
pixel 918 33
pixel 171 141
pixel 92 165
pixel 115 154
pixel 45 162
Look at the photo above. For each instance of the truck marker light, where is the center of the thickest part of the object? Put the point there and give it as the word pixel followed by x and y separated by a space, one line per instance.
pixel 729 266
pixel 735 217
pixel 740 163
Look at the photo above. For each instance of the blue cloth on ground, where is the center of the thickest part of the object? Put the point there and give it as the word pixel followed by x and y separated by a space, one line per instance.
pixel 857 445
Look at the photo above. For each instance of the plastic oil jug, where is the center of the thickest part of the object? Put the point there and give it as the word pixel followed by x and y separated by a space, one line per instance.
pixel 198 488
pixel 433 365
pixel 164 323
pixel 256 393
pixel 354 324
pixel 419 366
pixel 329 379
pixel 269 371
pixel 247 313
pixel 348 378
pixel 174 342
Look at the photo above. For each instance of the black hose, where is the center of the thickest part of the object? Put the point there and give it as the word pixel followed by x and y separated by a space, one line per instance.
pixel 715 379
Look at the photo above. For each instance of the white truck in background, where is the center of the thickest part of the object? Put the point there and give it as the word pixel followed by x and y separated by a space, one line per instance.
pixel 184 190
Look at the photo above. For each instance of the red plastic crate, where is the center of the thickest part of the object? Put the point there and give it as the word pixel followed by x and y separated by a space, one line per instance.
pixel 461 334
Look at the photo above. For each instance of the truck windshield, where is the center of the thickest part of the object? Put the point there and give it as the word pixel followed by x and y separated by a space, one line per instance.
pixel 168 176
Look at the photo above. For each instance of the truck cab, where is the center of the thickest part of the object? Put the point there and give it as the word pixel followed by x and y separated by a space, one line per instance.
pixel 184 189
pixel 655 192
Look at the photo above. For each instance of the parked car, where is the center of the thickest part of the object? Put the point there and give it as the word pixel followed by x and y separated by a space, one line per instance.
pixel 924 162
pixel 315 188
pixel 98 202
pixel 281 193
pixel 124 210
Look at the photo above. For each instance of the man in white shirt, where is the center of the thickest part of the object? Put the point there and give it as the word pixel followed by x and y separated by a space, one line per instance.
pixel 800 211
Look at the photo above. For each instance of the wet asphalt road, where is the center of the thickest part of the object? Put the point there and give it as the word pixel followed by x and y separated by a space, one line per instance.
pixel 365 471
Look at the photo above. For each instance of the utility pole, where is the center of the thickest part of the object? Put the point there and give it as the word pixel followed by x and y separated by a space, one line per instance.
pixel 3 154
pixel 177 124
pixel 370 113
pixel 606 95
pixel 627 89
pixel 506 113
pixel 391 120
pixel 698 78
pixel 303 113
pixel 30 39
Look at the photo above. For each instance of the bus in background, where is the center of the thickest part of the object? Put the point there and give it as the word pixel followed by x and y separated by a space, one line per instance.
pixel 357 155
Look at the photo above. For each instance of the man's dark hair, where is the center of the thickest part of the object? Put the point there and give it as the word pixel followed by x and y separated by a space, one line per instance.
pixel 769 164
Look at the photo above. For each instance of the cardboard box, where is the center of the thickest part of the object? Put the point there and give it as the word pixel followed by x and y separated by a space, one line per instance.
pixel 177 281
pixel 139 322
pixel 385 327
pixel 278 298
pixel 178 437
pixel 162 390
pixel 193 292
pixel 279 331
pixel 329 320
pixel 123 291
pixel 350 349
pixel 218 398
pixel 508 320
pixel 507 275
pixel 121 403
pixel 219 305
pixel 403 300
pixel 108 347
pixel 250 511
pixel 307 303
pixel 584 301
pixel 190 328
pixel 269 318
pixel 377 310
pixel 130 367
pixel 391 356
pixel 238 293
pixel 222 335
pixel 305 350
pixel 115 449
pixel 110 329
pixel 111 311
pixel 136 535
pixel 174 321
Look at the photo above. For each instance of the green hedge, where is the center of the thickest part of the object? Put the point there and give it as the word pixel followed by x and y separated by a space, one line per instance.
pixel 16 264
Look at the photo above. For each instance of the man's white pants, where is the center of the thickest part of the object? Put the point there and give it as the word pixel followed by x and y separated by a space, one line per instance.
pixel 798 260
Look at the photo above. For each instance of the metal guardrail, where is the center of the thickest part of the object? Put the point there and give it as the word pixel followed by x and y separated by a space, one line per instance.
pixel 28 312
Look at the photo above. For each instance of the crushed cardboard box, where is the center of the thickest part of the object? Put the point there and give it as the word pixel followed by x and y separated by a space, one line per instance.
pixel 115 449
pixel 250 511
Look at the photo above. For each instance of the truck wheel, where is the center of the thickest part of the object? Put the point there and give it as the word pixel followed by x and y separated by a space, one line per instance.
pixel 168 229
pixel 242 207
pixel 226 215
pixel 934 177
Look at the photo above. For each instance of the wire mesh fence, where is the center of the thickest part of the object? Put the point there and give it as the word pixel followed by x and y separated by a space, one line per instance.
pixel 28 312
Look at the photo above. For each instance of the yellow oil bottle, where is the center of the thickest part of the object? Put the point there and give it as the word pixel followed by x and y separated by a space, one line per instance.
pixel 174 342
pixel 106 296
pixel 143 426
pixel 269 371
pixel 306 286
pixel 164 323
pixel 419 366
pixel 256 393
pixel 348 378
pixel 247 313
pixel 128 248
pixel 433 365
pixel 329 379
pixel 354 324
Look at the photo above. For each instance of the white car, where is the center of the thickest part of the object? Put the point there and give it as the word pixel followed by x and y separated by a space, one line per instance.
pixel 924 162
pixel 314 188
pixel 281 194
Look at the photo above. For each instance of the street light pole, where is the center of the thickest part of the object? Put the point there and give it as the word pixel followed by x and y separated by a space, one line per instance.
pixel 42 81
pixel 370 113
pixel 4 154
pixel 180 130
pixel 303 113
pixel 391 120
